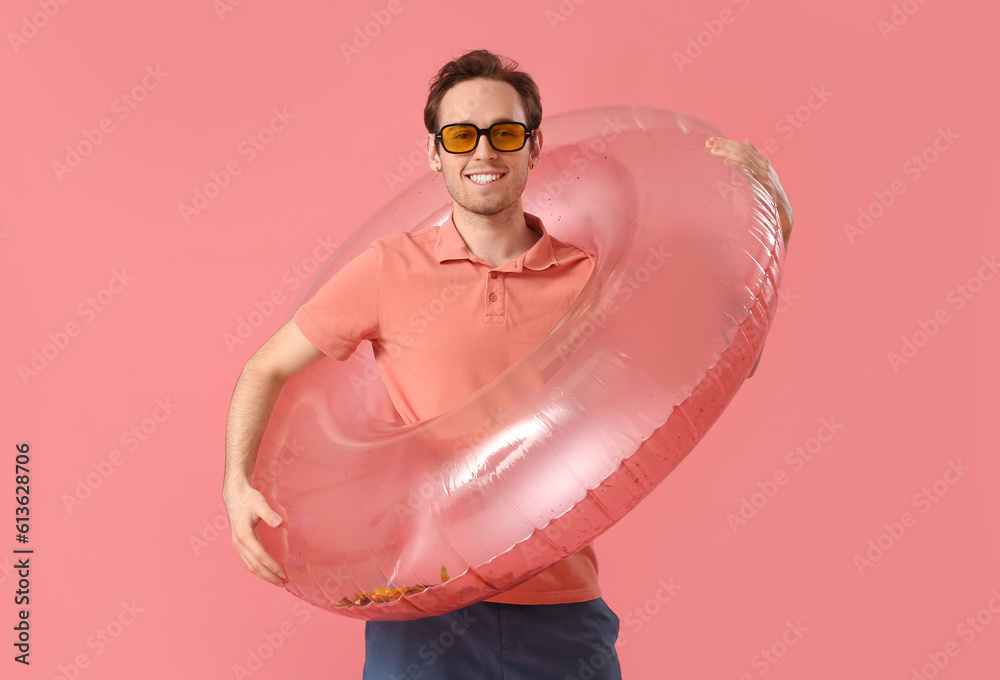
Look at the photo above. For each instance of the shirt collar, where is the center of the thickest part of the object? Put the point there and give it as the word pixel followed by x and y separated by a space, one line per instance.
pixel 451 246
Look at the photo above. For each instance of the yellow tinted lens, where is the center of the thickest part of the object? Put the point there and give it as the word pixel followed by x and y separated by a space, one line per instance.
pixel 459 138
pixel 507 136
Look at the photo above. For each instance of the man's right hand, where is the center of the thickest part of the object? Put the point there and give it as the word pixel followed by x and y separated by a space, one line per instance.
pixel 246 506
pixel 286 354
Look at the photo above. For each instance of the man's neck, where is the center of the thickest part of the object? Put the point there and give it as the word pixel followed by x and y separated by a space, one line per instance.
pixel 495 238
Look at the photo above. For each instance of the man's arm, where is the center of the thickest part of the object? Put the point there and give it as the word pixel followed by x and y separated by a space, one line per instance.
pixel 286 354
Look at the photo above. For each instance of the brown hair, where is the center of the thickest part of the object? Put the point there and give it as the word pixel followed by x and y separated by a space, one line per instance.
pixel 483 64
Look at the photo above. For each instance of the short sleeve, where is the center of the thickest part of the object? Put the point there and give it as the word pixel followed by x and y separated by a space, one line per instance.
pixel 344 311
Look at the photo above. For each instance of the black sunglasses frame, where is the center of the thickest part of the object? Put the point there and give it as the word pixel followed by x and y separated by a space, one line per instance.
pixel 489 136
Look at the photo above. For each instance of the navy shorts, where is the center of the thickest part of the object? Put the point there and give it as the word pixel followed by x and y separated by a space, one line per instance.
pixel 494 641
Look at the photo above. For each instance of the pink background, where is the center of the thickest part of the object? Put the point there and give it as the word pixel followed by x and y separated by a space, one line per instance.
pixel 153 534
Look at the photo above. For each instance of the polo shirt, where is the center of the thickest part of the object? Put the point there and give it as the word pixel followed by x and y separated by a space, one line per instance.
pixel 443 323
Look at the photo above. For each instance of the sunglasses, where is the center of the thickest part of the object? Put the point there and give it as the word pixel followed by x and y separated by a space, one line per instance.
pixel 463 138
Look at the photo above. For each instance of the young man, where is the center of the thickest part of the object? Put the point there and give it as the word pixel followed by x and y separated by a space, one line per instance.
pixel 515 283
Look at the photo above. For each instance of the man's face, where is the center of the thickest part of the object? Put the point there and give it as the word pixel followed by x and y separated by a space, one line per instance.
pixel 483 102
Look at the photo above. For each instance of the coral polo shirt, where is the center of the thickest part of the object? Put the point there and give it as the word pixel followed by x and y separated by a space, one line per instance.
pixel 443 323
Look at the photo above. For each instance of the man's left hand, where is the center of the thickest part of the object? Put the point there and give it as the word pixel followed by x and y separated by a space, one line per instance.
pixel 746 157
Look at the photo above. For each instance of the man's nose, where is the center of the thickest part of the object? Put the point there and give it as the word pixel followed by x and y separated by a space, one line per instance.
pixel 484 149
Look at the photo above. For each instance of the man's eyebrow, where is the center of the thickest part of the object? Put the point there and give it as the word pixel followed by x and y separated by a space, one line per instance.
pixel 466 121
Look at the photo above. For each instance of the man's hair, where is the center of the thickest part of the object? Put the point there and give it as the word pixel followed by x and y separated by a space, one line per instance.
pixel 483 64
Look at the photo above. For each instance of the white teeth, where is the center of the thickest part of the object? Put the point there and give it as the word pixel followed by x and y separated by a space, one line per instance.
pixel 484 179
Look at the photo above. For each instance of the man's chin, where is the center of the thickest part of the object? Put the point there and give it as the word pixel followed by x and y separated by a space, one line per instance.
pixel 485 209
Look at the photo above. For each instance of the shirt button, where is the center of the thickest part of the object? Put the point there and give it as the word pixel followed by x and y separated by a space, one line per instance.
pixel 493 297
pixel 493 274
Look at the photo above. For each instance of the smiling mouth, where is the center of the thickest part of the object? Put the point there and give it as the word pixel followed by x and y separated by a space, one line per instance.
pixel 484 178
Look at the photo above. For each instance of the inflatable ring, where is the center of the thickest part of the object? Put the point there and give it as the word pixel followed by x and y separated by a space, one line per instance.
pixel 391 521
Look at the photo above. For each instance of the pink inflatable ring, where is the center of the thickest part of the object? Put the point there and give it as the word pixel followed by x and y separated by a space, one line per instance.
pixel 387 521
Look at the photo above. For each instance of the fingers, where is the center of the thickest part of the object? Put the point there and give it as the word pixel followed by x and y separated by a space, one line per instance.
pixel 743 156
pixel 743 152
pixel 244 513
pixel 257 560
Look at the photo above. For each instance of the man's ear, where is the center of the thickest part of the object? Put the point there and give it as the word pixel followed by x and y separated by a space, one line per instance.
pixel 535 146
pixel 433 157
